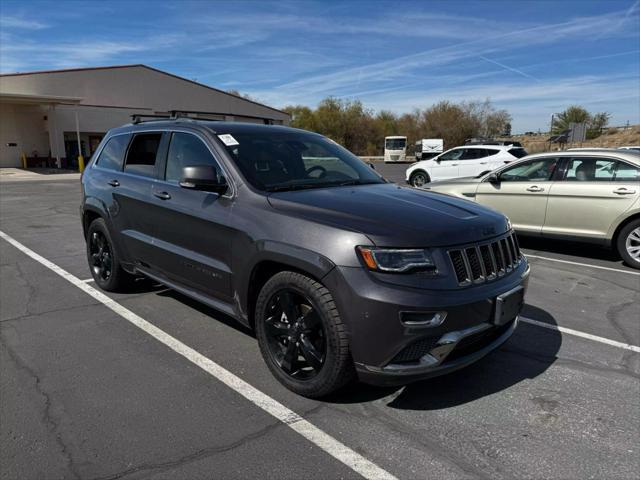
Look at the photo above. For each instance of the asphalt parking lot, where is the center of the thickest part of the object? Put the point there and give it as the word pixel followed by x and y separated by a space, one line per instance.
pixel 86 392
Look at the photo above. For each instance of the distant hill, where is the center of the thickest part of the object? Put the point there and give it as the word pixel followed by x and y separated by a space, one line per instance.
pixel 612 137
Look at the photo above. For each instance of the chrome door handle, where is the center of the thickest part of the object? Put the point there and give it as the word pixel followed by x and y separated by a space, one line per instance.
pixel 624 191
pixel 535 189
pixel 454 164
pixel 483 163
pixel 162 195
pixel 114 183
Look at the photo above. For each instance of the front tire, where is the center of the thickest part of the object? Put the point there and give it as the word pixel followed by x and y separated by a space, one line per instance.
pixel 628 244
pixel 419 179
pixel 301 335
pixel 104 261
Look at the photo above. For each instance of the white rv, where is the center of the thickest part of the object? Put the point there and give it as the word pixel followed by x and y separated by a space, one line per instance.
pixel 395 149
pixel 428 148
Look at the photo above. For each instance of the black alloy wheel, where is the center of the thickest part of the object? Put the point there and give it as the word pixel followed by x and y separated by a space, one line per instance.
pixel 104 260
pixel 302 337
pixel 101 256
pixel 295 334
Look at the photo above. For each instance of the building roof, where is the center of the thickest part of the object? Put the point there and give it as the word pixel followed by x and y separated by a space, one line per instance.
pixel 139 65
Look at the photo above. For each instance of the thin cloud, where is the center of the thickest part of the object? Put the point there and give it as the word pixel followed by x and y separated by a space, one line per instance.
pixel 511 69
pixel 12 22
pixel 579 28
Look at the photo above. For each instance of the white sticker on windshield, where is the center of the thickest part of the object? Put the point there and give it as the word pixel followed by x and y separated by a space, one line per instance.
pixel 228 140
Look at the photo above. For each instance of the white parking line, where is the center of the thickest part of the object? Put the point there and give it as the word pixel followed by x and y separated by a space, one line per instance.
pixel 87 280
pixel 326 442
pixel 577 333
pixel 528 255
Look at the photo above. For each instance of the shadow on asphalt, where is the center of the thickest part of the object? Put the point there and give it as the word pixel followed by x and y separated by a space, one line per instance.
pixel 528 354
pixel 565 247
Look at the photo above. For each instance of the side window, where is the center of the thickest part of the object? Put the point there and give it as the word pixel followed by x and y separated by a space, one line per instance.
pixel 627 173
pixel 141 158
pixel 491 151
pixel 533 170
pixel 590 169
pixel 186 150
pixel 112 154
pixel 452 154
pixel 473 153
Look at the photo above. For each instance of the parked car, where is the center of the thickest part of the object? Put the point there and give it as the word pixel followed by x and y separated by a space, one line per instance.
pixel 490 141
pixel 589 195
pixel 634 148
pixel 468 160
pixel 339 272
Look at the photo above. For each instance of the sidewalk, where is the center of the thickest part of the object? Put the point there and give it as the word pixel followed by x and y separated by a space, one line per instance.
pixel 36 174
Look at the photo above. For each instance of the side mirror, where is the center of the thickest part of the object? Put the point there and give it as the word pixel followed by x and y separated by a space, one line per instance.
pixel 204 178
pixel 372 166
pixel 493 178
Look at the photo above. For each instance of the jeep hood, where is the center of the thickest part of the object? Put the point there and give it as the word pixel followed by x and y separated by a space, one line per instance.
pixel 394 216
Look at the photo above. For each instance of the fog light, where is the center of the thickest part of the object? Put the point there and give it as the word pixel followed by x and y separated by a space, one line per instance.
pixel 422 319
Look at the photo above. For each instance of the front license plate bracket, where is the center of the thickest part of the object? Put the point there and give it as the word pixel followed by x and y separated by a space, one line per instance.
pixel 508 305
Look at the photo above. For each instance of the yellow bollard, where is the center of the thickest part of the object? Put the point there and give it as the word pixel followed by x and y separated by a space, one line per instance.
pixel 24 160
pixel 80 163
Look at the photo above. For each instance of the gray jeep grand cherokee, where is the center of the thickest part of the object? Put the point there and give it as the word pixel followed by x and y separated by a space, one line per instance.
pixel 340 273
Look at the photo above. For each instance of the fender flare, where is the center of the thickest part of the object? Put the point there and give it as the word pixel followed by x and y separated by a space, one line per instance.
pixel 267 251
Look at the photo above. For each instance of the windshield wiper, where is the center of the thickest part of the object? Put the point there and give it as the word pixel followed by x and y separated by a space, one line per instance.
pixel 303 186
pixel 349 182
pixel 284 188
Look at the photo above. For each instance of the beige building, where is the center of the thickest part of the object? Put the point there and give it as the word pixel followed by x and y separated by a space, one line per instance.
pixel 46 115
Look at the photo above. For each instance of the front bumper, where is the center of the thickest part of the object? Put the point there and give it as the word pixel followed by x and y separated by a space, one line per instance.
pixel 388 351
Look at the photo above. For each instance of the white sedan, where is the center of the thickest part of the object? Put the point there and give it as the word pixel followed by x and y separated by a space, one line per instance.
pixel 465 161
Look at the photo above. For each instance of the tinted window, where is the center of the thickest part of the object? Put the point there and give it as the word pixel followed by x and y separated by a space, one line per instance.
pixel 186 150
pixel 113 152
pixel 141 158
pixel 272 160
pixel 491 151
pixel 473 153
pixel 452 154
pixel 533 170
pixel 518 152
pixel 590 169
pixel 627 173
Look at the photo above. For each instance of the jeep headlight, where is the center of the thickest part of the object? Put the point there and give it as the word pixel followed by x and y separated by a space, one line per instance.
pixel 396 260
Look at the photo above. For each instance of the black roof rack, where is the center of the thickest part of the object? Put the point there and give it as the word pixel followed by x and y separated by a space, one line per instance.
pixel 138 117
pixel 190 115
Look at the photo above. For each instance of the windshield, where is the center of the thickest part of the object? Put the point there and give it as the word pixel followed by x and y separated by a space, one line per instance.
pixel 395 143
pixel 275 161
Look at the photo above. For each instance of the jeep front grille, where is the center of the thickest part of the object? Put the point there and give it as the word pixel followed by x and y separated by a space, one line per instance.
pixel 487 261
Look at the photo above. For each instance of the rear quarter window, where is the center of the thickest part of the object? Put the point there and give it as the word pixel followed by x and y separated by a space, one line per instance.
pixel 112 155
pixel 141 158
pixel 518 152
pixel 627 173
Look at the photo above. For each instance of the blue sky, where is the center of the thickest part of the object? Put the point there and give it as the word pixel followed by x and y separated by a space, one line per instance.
pixel 533 58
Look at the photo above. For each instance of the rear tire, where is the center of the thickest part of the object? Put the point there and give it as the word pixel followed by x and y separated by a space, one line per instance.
pixel 104 260
pixel 321 364
pixel 419 179
pixel 628 244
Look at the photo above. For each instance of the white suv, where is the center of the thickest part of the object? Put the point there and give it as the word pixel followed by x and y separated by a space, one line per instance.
pixel 465 161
